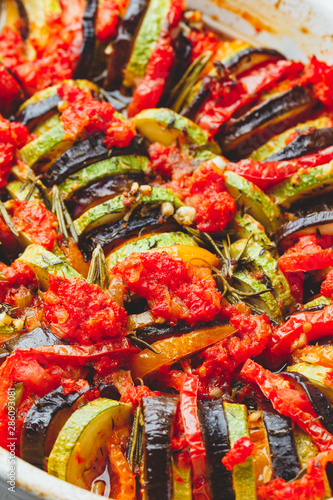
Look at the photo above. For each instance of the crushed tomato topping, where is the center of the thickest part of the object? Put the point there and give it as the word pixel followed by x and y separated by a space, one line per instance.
pixel 174 290
pixel 241 450
pixel 82 313
pixel 80 111
pixel 13 136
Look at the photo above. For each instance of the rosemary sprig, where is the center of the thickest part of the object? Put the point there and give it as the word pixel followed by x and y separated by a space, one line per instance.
pixel 98 270
pixel 62 214
pixel 135 447
pixel 141 343
pixel 181 91
pixel 8 220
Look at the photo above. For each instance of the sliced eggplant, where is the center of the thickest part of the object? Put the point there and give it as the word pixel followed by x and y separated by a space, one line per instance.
pixel 239 137
pixel 108 236
pixel 40 336
pixel 111 167
pixel 36 110
pixel 281 440
pixel 121 47
pixel 214 429
pixel 152 333
pixel 250 57
pixel 37 422
pixel 89 39
pixel 101 191
pixel 84 153
pixel 317 223
pixel 159 413
pixel 304 144
pixel 319 401
pixel 317 375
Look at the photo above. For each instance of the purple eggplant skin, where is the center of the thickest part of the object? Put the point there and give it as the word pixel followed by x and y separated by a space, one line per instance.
pixel 107 236
pixel 195 105
pixel 158 413
pixel 239 137
pixel 84 153
pixel 304 144
pixel 24 25
pixel 38 109
pixel 320 403
pixel 122 45
pixel 285 462
pixel 37 421
pixel 214 429
pixel 290 229
pixel 250 57
pixel 159 331
pixel 38 337
pixel 101 191
pixel 89 39
pixel 116 98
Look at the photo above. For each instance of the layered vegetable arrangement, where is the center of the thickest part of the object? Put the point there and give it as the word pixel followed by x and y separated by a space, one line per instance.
pixel 166 270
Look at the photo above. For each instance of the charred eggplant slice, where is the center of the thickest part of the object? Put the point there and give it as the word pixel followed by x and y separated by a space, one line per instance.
pixel 40 336
pixel 215 435
pixel 89 40
pixel 320 403
pixel 84 153
pixel 121 47
pixel 108 236
pixel 285 461
pixel 303 144
pixel 38 421
pixel 289 233
pixel 250 57
pixel 158 413
pixel 38 109
pixel 100 191
pixel 239 137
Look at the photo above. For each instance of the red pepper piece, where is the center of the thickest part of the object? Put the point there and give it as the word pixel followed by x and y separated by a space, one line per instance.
pixel 189 412
pixel 306 255
pixel 312 485
pixel 289 402
pixel 238 454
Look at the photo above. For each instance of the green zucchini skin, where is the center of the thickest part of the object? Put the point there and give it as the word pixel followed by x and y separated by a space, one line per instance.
pixel 121 47
pixel 285 462
pixel 214 429
pixel 158 413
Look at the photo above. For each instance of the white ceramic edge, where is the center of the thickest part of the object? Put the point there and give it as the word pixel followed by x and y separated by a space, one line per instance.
pixel 292 18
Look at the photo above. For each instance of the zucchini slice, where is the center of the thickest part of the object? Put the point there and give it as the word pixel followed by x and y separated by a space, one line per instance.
pixel 243 474
pixel 148 243
pixel 303 185
pixel 82 442
pixel 165 126
pixel 145 42
pixel 262 260
pixel 265 302
pixel 117 165
pixel 115 209
pixel 316 374
pixel 250 197
pixel 43 263
pixel 245 225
